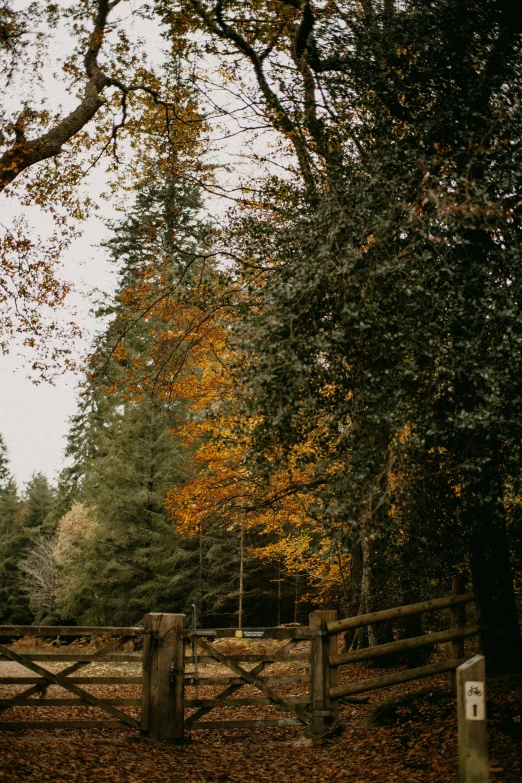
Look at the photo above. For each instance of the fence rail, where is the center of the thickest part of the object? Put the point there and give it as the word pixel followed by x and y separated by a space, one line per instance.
pixel 267 679
pixel 66 702
pixel 54 631
pixel 123 680
pixel 296 632
pixel 414 642
pixel 386 680
pixel 252 658
pixel 81 657
pixel 455 635
pixel 338 626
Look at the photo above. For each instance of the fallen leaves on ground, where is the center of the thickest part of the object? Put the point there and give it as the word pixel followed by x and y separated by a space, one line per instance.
pixel 407 734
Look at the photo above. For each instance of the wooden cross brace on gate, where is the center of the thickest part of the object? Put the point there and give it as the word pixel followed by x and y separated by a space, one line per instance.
pixel 41 687
pixel 62 680
pixel 323 713
pixel 253 679
pixel 231 689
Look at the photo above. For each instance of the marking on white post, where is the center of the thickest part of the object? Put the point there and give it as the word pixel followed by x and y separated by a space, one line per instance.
pixel 471 709
pixel 475 702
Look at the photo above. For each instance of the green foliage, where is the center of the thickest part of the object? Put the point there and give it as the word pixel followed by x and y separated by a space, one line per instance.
pixel 4 465
pixel 389 321
pixel 130 561
pixel 14 538
pixel 39 499
pixel 125 455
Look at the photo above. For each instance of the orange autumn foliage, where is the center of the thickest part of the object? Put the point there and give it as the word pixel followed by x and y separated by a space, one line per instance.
pixel 225 488
pixel 188 358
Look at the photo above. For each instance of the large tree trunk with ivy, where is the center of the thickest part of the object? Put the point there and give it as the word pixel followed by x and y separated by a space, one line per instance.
pixel 491 573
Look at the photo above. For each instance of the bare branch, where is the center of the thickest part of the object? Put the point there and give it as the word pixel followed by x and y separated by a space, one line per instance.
pixel 26 152
pixel 217 25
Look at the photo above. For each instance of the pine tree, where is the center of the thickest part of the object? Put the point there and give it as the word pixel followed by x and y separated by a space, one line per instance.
pixel 4 464
pixel 124 455
pixel 39 500
pixel 130 564
pixel 14 539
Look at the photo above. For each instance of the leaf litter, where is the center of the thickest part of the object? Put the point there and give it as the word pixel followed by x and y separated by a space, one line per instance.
pixel 406 733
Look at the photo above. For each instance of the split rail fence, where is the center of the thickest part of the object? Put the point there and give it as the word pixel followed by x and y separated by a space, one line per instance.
pixel 175 658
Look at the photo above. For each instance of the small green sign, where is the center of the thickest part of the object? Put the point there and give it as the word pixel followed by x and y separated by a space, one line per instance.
pixel 253 634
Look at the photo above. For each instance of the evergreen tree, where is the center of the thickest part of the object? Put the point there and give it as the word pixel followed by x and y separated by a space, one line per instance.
pixel 4 464
pixel 124 455
pixel 39 500
pixel 130 564
pixel 14 539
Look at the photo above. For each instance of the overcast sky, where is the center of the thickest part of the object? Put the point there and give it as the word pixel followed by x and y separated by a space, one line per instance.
pixel 34 418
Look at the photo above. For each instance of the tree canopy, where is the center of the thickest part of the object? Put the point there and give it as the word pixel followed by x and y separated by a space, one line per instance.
pixel 337 355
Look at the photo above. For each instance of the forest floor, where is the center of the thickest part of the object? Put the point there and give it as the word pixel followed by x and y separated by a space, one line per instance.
pixel 406 733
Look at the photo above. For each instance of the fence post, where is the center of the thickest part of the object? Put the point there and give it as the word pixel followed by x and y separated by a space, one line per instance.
pixel 163 670
pixel 457 620
pixel 324 710
pixel 472 730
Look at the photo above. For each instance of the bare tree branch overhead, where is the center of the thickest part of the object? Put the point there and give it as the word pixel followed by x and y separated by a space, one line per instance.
pixel 25 152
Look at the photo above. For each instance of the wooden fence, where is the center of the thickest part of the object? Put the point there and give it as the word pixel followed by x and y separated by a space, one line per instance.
pixel 456 634
pixel 314 709
pixel 34 696
pixel 173 658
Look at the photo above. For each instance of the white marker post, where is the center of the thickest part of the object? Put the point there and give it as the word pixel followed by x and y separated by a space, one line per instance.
pixel 471 711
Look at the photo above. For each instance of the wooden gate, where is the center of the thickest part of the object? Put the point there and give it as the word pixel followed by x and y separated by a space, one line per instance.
pixel 312 710
pixel 35 695
pixel 170 649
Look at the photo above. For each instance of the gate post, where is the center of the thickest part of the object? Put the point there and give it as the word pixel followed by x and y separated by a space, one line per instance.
pixel 324 710
pixel 471 711
pixel 163 670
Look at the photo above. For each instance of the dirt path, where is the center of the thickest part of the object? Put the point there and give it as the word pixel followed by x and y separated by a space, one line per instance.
pixel 12 669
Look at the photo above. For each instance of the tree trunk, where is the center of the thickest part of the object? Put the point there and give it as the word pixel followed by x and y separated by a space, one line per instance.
pixel 354 585
pixel 365 604
pixel 200 572
pixel 279 593
pixel 410 627
pixel 241 575
pixel 492 575
pixel 296 599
